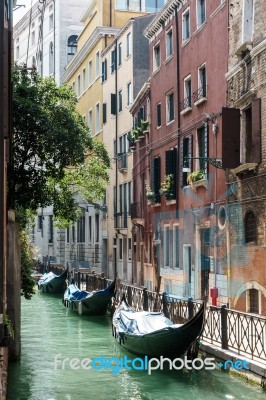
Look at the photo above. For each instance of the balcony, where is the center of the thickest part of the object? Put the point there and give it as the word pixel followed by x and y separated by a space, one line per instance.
pixel 120 220
pixel 122 162
pixel 137 213
pixel 186 105
pixel 200 95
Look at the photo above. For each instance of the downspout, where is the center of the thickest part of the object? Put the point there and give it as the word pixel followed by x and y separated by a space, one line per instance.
pixel 178 109
pixel 116 147
pixel 110 12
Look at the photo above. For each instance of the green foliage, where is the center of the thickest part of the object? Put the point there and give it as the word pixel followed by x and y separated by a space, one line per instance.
pixel 27 264
pixel 9 327
pixel 48 136
pixel 195 176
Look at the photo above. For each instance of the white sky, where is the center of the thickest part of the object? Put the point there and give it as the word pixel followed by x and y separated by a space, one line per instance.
pixel 18 14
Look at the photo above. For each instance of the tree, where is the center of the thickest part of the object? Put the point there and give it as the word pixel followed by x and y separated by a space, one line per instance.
pixel 49 136
pixel 53 157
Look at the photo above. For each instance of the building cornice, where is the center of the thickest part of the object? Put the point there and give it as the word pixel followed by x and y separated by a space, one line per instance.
pixel 154 27
pixel 87 12
pixel 140 96
pixel 118 36
pixel 80 56
pixel 24 21
pixel 253 53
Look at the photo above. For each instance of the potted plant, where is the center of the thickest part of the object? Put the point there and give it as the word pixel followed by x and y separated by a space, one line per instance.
pixel 196 176
pixel 144 126
pixel 150 195
pixel 140 132
pixel 167 187
pixel 131 139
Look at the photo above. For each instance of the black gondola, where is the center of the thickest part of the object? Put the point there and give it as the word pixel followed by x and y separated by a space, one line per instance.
pixel 152 334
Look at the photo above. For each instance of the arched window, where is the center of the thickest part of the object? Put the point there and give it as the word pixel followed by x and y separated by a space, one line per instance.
pixel 51 58
pixel 250 227
pixel 71 46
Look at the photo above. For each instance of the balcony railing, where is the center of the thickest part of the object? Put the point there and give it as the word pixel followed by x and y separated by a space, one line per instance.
pixel 185 104
pixel 199 94
pixel 121 220
pixel 122 162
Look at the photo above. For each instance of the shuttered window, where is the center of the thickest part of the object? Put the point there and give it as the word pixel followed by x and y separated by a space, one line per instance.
pixel 230 137
pixel 104 113
pixel 171 168
pixel 113 61
pixel 186 152
pixel 256 131
pixel 113 104
pixel 104 70
pixel 203 147
pixel 159 117
pixel 156 178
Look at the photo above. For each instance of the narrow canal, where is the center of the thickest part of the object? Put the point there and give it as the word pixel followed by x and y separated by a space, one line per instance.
pixel 48 329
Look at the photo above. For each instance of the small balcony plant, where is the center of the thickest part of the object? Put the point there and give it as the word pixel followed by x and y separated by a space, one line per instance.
pixel 167 187
pixel 150 195
pixel 195 176
pixel 144 125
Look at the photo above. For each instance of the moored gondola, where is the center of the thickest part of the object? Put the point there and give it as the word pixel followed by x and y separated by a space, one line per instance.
pixel 52 283
pixel 152 334
pixel 88 303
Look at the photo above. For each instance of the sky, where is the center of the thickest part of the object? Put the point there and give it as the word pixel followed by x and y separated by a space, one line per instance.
pixel 18 14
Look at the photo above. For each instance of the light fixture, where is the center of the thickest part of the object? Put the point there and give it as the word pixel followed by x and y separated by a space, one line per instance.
pixel 186 167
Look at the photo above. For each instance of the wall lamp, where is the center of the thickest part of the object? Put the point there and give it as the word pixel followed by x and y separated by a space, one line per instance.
pixel 215 162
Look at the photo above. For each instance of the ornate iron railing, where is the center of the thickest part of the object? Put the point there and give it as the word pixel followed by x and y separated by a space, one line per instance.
pixel 186 103
pixel 201 93
pixel 240 332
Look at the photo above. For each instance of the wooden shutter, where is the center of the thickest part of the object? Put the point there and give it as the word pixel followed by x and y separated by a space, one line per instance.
pixel 256 131
pixel 113 104
pixel 181 161
pixel 159 122
pixel 104 113
pixel 230 137
pixel 206 147
pixel 157 177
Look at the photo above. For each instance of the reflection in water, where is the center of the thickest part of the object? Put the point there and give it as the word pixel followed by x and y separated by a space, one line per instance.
pixel 48 329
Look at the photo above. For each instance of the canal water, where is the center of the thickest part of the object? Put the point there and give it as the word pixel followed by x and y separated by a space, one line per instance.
pixel 50 330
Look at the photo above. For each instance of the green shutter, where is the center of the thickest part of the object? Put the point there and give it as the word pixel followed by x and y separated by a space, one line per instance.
pixel 113 104
pixel 104 113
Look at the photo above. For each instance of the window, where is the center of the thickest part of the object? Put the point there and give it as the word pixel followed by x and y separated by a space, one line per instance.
pixel 51 58
pixel 156 178
pixel 79 88
pixel 169 43
pixel 90 72
pixel 72 46
pixel 120 100
pixel 201 12
pixel 202 141
pixel 185 25
pixel 129 94
pixel 250 226
pixel 74 86
pixel 90 230
pixel 202 84
pixel 97 228
pixel 253 301
pixel 83 80
pixel 171 169
pixel 185 159
pixel 247 20
pixel 17 52
pixel 97 117
pixel 113 104
pixel 104 70
pixel 128 44
pixel 90 122
pixel 119 54
pixel 73 234
pixel 67 235
pixel 127 5
pixel 170 108
pixel 251 133
pixel 40 222
pixel 104 113
pixel 159 116
pixel 33 62
pixel 97 64
pixel 153 6
pixel 51 21
pixel 176 247
pixel 156 57
pixel 51 229
pixel 120 249
pixel 166 246
pixel 129 254
pixel 81 229
pixel 113 61
pixel 187 93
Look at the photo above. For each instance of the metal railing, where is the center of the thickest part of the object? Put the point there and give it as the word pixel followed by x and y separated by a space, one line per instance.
pixel 201 93
pixel 122 162
pixel 240 332
pixel 186 103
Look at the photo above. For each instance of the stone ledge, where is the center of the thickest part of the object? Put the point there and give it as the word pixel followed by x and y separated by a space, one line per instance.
pixel 3 372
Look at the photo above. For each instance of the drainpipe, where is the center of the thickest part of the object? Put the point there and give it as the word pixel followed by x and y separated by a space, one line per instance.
pixel 178 108
pixel 54 39
pixel 110 12
pixel 116 147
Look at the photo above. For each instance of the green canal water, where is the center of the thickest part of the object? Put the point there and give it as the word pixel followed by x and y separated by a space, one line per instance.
pixel 49 329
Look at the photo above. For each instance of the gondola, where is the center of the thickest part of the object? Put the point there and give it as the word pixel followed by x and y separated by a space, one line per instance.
pixel 152 334
pixel 52 283
pixel 88 303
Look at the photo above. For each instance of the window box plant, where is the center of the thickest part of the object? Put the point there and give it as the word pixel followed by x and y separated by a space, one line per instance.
pixel 196 179
pixel 150 195
pixel 167 187
pixel 144 126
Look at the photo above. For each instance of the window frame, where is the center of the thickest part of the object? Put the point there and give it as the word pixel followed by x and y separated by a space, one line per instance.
pixel 97 64
pixel 168 55
pixel 120 100
pixel 156 62
pixel 168 108
pixel 184 25
pixel 200 22
pixel 97 118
